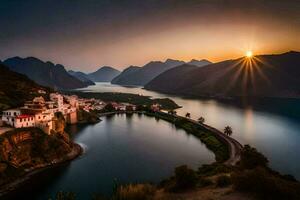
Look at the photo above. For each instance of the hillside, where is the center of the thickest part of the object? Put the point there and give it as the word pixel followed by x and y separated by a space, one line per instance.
pixel 167 79
pixel 143 75
pixel 263 75
pixel 16 88
pixel 44 73
pixel 123 76
pixel 82 77
pixel 24 150
pixel 104 74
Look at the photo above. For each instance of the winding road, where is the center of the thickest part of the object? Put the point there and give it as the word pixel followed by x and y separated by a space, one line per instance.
pixel 235 148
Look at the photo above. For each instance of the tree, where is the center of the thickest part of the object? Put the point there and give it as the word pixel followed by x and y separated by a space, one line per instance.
pixel 188 115
pixel 201 120
pixel 228 130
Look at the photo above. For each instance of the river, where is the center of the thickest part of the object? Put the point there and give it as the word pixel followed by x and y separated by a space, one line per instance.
pixel 120 149
pixel 273 126
pixel 137 148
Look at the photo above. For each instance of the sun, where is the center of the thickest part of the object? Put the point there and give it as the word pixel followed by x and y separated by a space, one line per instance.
pixel 249 54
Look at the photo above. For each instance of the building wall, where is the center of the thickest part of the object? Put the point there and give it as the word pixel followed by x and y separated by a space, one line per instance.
pixel 24 122
pixel 72 118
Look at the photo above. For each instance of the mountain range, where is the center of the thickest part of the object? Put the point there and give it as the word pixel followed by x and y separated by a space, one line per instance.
pixel 263 75
pixel 16 88
pixel 81 76
pixel 142 75
pixel 44 73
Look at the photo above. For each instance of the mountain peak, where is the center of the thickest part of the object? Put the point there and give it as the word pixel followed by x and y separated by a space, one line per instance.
pixel 199 63
pixel 104 74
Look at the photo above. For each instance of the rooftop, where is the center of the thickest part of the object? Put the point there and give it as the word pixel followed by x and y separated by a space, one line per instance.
pixel 24 116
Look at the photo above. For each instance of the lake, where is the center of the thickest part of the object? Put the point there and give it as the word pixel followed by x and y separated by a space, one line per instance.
pixel 273 126
pixel 123 149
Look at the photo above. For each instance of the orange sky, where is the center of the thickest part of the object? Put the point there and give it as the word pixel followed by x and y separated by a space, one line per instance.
pixel 84 37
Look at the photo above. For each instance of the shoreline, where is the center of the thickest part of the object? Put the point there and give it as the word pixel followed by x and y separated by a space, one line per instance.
pixel 10 187
pixel 233 145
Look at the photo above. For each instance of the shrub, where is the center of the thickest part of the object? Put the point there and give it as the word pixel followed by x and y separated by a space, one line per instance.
pixel 203 182
pixel 185 178
pixel 213 169
pixel 61 195
pixel 223 181
pixel 251 158
pixel 266 185
pixel 134 192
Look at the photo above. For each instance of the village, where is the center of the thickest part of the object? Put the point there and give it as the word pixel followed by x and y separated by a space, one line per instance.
pixel 40 113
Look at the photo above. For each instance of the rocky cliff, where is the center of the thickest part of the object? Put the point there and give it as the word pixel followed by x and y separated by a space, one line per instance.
pixel 26 149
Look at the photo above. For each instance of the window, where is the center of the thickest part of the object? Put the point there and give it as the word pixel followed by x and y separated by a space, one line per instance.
pixel 20 120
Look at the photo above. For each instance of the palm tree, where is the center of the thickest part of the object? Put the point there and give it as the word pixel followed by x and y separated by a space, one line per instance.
pixel 228 130
pixel 201 120
pixel 188 115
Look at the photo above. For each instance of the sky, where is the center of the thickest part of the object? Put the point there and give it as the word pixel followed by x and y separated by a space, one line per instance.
pixel 86 34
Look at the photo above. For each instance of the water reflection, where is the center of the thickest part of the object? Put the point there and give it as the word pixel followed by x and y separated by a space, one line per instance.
pixel 127 148
pixel 271 125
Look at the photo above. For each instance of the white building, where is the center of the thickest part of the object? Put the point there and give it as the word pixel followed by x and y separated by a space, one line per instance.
pixel 58 99
pixel 38 113
pixel 8 116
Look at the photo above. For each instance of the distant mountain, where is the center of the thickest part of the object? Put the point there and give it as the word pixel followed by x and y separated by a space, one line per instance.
pixel 141 76
pixel 104 74
pixel 199 63
pixel 16 88
pixel 82 77
pixel 122 77
pixel 172 78
pixel 263 76
pixel 44 73
pixel 173 63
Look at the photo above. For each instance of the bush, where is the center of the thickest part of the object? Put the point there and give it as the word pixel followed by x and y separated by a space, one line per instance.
pixel 203 182
pixel 251 158
pixel 61 195
pixel 213 169
pixel 134 192
pixel 185 178
pixel 266 185
pixel 223 181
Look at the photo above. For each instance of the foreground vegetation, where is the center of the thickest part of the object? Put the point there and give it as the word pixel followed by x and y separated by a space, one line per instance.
pixel 252 177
